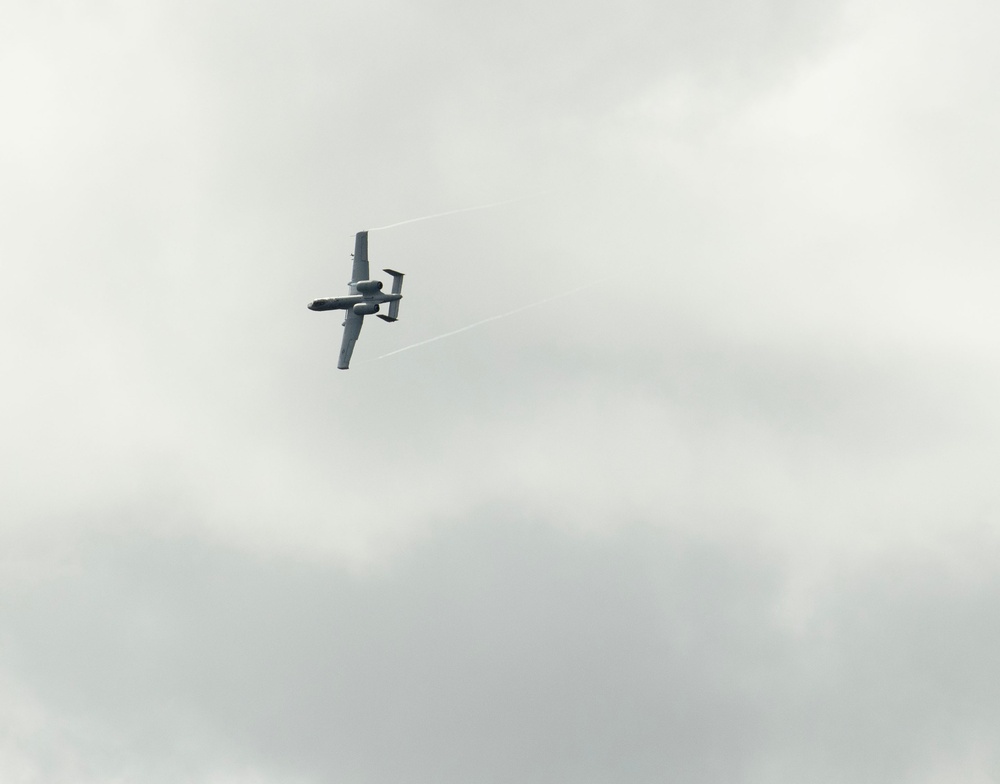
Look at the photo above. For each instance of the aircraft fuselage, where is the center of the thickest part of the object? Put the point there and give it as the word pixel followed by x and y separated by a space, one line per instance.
pixel 346 303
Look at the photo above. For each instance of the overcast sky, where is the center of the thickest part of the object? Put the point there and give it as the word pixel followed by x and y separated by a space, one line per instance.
pixel 727 515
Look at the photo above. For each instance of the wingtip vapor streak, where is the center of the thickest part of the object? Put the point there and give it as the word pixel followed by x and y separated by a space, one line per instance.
pixel 364 298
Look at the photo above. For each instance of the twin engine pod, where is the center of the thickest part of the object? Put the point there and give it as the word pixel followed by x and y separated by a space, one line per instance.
pixel 368 287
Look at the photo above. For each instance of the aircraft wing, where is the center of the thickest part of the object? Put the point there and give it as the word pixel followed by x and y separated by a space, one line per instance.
pixel 360 271
pixel 352 328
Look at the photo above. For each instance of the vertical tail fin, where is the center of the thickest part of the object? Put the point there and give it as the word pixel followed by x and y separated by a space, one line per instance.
pixel 397 280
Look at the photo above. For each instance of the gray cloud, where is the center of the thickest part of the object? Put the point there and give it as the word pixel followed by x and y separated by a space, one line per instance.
pixel 224 559
pixel 500 651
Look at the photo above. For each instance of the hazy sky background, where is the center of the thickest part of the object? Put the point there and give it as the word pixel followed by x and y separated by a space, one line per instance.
pixel 728 516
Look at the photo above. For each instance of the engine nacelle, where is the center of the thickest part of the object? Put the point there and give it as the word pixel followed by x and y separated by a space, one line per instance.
pixel 366 308
pixel 368 286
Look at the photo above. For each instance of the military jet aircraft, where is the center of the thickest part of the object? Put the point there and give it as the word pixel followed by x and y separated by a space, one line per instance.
pixel 365 297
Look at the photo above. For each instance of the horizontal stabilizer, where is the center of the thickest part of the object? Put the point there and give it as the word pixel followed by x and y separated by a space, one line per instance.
pixel 397 288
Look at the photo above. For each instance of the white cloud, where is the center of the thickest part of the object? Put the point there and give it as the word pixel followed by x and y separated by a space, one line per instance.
pixel 797 349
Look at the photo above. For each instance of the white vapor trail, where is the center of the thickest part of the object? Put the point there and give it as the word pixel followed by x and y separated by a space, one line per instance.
pixel 494 318
pixel 455 212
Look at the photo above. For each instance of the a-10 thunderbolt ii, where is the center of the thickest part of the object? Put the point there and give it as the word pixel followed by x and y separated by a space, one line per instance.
pixel 364 298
